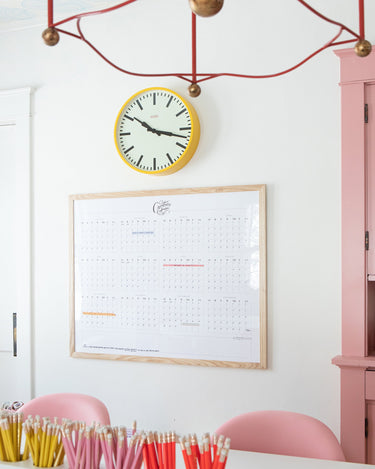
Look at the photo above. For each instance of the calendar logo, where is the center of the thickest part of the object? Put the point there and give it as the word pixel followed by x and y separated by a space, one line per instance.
pixel 161 207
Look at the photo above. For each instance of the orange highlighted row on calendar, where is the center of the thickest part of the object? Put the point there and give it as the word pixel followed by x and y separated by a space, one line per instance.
pixel 98 314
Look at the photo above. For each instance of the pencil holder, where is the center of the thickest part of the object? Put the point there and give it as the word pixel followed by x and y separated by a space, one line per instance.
pixel 211 453
pixel 98 446
pixel 11 437
pixel 44 441
pixel 159 451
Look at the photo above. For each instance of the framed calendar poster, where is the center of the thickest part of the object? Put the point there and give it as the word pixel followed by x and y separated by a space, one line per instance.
pixel 176 276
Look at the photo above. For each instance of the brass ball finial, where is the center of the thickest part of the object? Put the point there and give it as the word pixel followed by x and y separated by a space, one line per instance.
pixel 206 7
pixel 194 90
pixel 50 36
pixel 363 48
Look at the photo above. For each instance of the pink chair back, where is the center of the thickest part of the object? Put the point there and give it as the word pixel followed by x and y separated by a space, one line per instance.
pixel 281 432
pixel 72 406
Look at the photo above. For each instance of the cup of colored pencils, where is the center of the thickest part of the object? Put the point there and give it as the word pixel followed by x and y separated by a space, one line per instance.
pixel 122 450
pixel 159 451
pixel 211 453
pixel 44 441
pixel 11 437
pixel 86 447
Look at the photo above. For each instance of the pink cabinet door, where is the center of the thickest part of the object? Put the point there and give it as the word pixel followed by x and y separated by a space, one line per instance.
pixel 370 162
pixel 370 441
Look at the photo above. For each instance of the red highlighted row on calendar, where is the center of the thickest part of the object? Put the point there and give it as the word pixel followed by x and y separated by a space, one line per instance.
pixel 87 313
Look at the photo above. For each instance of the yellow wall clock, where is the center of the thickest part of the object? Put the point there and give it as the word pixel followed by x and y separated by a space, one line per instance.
pixel 157 131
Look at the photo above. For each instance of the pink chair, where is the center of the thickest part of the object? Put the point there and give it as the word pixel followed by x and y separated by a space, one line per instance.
pixel 68 405
pixel 281 432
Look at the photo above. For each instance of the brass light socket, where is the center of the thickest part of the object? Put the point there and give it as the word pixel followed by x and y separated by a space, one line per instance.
pixel 194 90
pixel 50 36
pixel 363 48
pixel 206 8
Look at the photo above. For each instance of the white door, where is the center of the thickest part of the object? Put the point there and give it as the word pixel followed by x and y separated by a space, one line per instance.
pixel 15 303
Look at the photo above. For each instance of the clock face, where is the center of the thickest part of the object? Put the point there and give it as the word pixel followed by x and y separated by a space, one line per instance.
pixel 157 131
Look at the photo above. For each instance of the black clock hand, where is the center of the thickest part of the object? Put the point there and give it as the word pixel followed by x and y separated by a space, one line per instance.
pixel 148 127
pixel 158 132
pixel 170 134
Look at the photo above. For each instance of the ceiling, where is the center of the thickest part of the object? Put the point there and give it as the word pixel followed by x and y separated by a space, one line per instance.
pixel 18 14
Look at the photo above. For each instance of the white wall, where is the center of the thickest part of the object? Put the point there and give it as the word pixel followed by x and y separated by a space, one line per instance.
pixel 284 132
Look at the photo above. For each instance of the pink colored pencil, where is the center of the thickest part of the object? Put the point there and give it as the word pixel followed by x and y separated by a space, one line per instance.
pixel 82 460
pixel 78 449
pixel 88 450
pixel 124 432
pixel 120 450
pixel 97 450
pixel 68 446
pixel 137 461
pixel 109 444
pixel 130 453
pixel 104 449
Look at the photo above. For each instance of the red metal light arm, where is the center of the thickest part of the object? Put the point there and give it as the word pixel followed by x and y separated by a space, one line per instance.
pixel 194 47
pixel 195 77
pixel 361 14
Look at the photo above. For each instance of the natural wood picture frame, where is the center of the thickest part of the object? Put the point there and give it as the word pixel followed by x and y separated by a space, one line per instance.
pixel 103 318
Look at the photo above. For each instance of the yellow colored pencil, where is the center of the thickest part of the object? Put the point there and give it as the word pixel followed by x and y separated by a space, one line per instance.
pixel 52 450
pixel 6 432
pixel 19 435
pixel 2 449
pixel 42 441
pixel 37 434
pixel 5 444
pixel 29 432
pixel 26 450
pixel 13 433
pixel 45 447
pixel 60 453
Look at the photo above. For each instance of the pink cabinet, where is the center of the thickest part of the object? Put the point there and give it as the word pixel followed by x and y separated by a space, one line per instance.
pixel 357 362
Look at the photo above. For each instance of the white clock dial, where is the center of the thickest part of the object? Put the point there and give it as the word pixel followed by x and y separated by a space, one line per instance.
pixel 154 131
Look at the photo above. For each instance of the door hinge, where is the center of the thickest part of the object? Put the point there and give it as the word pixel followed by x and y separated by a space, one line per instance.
pixel 367 241
pixel 366 113
pixel 366 427
pixel 14 334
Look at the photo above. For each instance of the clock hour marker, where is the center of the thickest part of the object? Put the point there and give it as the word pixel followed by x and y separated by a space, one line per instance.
pixel 169 158
pixel 154 99
pixel 180 145
pixel 130 148
pixel 154 164
pixel 185 128
pixel 128 117
pixel 140 159
pixel 140 105
pixel 169 101
pixel 181 112
pixel 125 133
